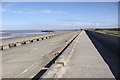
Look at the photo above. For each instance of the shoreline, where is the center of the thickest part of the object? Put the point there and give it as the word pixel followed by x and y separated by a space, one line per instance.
pixel 22 38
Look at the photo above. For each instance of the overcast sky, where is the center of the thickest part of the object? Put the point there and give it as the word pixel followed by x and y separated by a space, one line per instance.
pixel 58 15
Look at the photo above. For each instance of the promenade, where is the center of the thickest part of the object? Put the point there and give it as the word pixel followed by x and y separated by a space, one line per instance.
pixel 86 62
pixel 27 60
pixel 80 59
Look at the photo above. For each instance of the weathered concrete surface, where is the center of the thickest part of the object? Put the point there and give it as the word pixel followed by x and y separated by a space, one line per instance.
pixel 86 62
pixel 57 68
pixel 6 46
pixel 18 44
pixel 27 60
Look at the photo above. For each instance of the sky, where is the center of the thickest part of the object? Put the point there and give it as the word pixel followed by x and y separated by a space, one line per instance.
pixel 58 15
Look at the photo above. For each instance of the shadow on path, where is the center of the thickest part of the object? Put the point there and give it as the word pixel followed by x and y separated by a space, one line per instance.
pixel 109 56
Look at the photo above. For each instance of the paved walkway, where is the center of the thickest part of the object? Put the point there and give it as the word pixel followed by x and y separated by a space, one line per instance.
pixel 27 60
pixel 86 61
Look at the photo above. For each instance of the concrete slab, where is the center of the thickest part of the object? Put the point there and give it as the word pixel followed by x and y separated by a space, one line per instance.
pixel 86 61
pixel 27 60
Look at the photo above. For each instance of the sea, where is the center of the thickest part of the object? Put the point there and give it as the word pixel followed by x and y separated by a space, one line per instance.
pixel 6 34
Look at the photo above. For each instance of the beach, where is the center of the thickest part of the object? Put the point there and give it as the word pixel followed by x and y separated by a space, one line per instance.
pixel 22 36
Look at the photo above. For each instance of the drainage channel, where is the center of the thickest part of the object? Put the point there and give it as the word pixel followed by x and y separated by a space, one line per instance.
pixel 38 76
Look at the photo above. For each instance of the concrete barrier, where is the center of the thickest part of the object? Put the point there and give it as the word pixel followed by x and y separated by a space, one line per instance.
pixel 5 47
pixel 111 42
pixel 23 42
pixel 43 38
pixel 34 40
pixel 47 37
pixel 18 44
pixel 30 41
pixel 27 42
pixel 12 45
pixel 37 39
pixel 40 39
